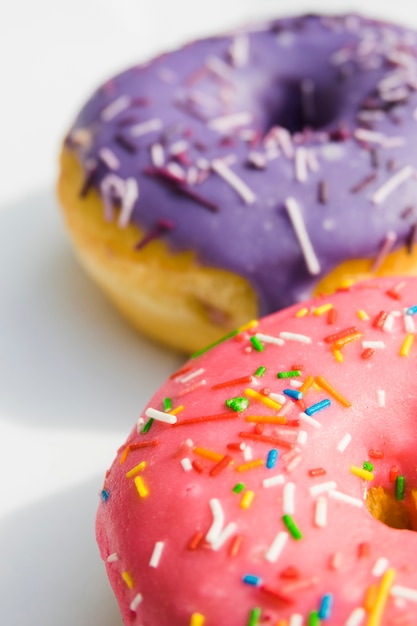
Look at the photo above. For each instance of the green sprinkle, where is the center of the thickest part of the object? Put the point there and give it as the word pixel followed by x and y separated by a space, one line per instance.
pixel 260 371
pixel 314 619
pixel 290 374
pixel 238 404
pixel 238 488
pixel 215 343
pixel 292 527
pixel 257 344
pixel 167 404
pixel 254 617
pixel 400 487
pixel 368 466
pixel 148 425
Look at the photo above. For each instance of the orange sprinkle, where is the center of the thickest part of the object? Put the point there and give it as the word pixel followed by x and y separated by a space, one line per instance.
pixel 266 419
pixel 406 347
pixel 128 579
pixel 177 410
pixel 370 597
pixel 332 316
pixel 208 454
pixel 235 545
pixel 343 341
pixel 124 455
pixel 250 465
pixel 307 384
pixel 324 384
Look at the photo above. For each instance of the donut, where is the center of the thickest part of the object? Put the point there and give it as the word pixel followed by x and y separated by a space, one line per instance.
pixel 245 172
pixel 273 479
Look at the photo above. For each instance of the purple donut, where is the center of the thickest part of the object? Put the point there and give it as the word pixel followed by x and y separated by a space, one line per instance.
pixel 276 152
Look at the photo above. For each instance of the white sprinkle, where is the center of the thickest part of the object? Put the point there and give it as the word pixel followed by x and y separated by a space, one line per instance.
pixel 109 158
pixel 227 122
pixel 112 557
pixel 285 142
pixel 144 128
pixel 192 175
pixel 380 394
pixel 135 602
pixel 289 336
pixel 278 397
pixel 167 75
pixel 269 339
pixel 130 195
pixel 356 617
pixel 218 520
pixel 256 159
pixel 111 187
pixel 393 80
pixel 388 324
pixel 380 566
pixel 301 164
pixel 295 383
pixel 320 512
pixel 309 420
pixel 374 345
pixel 219 67
pixel 176 170
pixel 299 227
pixel 409 325
pixel 302 437
pixel 293 463
pixel 312 160
pixel 276 547
pixel 404 592
pixel 114 108
pixel 273 481
pixel 190 376
pixel 344 497
pixel 140 423
pixel 296 620
pixel 247 453
pixel 387 245
pixel 287 408
pixel 161 416
pixel 344 442
pixel 186 464
pixel 288 503
pixel 233 180
pixel 370 136
pixel 157 155
pixel 239 50
pixel 224 536
pixel 156 554
pixel 317 490
pixel 179 147
pixel 390 185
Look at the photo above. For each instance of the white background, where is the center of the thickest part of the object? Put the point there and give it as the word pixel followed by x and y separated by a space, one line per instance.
pixel 73 376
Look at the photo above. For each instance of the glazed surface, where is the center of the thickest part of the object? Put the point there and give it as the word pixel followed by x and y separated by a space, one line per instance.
pixel 204 146
pixel 198 524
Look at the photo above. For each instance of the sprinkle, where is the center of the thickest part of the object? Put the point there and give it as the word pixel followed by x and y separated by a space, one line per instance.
pixel 197 619
pixel 143 128
pixel 104 494
pixel 309 420
pixel 138 468
pixel 363 315
pixel 375 454
pixel 313 619
pixel 261 398
pixel 380 394
pixel 260 371
pixel 195 541
pixel 273 481
pixel 288 336
pixel 247 499
pixel 344 442
pixel 320 512
pixel 326 386
pixel 295 532
pixel 108 157
pixel 256 343
pixel 267 439
pixel 160 416
pixel 307 384
pixel 221 465
pixel 130 195
pixel 368 466
pixel 387 246
pixel 222 170
pixel 294 393
pixel 218 520
pixel 316 490
pixel 393 183
pixel 254 617
pixel 141 487
pixel 238 404
pixel 323 192
pixel 406 346
pixel 272 458
pixel 276 547
pixel 208 454
pixel 380 566
pixel 289 374
pixel 296 620
pixel 340 343
pixel 147 426
pixel 362 473
pixel 244 467
pixel 177 410
pixel 338 356
pixel 301 164
pixel 356 617
pixel 252 579
pixel 235 545
pixel 186 464
pixel 277 594
pixel 288 504
pixel 197 465
pixel 114 108
pixel 224 536
pixel 367 353
pixel 400 487
pixel 332 316
pixel 317 471
pixel 404 592
pixel 136 601
pixel 167 404
pixel 412 310
pixel 376 614
pixel 127 579
pixel 409 324
pixel 238 488
pixel 344 497
pixel 302 312
pixel 269 339
pixel 227 122
pixel 380 319
pixel 352 330
pixel 373 345
pixel 298 224
pixel 318 406
pixel 112 558
pixel 190 376
pixel 156 554
pixel 324 308
pixel 206 418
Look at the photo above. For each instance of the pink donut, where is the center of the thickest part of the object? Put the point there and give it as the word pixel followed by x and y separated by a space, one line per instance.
pixel 273 479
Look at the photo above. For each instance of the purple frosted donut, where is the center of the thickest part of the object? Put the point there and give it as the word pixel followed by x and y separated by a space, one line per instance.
pixel 283 153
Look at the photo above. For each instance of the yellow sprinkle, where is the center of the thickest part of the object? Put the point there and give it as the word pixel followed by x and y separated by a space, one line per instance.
pixel 250 465
pixel 208 454
pixel 323 308
pixel 138 468
pixel 370 597
pixel 406 347
pixel 306 384
pixel 128 579
pixel 247 499
pixel 264 399
pixel 197 619
pixel 338 356
pixel 302 312
pixel 377 612
pixel 362 473
pixel 248 326
pixel 266 419
pixel 141 487
pixel 363 315
pixel 178 409
pixel 324 384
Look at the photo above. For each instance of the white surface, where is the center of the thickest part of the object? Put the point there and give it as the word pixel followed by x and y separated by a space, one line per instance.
pixel 73 377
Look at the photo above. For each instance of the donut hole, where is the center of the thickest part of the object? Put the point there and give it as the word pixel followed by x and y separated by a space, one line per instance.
pixel 400 514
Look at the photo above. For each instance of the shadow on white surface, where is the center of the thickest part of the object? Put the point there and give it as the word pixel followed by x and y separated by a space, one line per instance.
pixel 66 357
pixel 51 572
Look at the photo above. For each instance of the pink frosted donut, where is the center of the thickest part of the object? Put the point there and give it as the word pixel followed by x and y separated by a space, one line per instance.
pixel 273 480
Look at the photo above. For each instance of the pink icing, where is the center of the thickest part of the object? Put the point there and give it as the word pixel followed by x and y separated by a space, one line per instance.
pixel 336 563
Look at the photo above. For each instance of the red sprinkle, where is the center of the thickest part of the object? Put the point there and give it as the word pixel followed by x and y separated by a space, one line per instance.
pixel 221 465
pixel 375 454
pixel 379 321
pixel 368 353
pixel 198 466
pixel 237 381
pixel 277 594
pixel 195 540
pixel 265 391
pixel 290 572
pixel 239 447
pixel 259 428
pixel 332 316
pixel 180 372
pixel 352 330
pixel 267 439
pixel 207 418
pixel 364 550
pixel 317 471
pixel 393 473
pixel 235 545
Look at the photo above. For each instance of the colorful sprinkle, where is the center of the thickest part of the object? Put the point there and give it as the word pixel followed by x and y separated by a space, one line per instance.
pixel 256 343
pixel 318 406
pixel 292 527
pixel 247 499
pixel 272 458
pixel 400 487
pixel 238 404
pixel 289 374
pixel 141 487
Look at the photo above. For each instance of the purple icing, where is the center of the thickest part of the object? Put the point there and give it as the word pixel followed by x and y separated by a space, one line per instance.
pixel 319 78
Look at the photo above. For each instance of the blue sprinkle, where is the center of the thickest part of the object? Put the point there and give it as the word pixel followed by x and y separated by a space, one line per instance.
pixel 314 408
pixel 412 310
pixel 325 610
pixel 294 393
pixel 105 495
pixel 272 458
pixel 251 579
